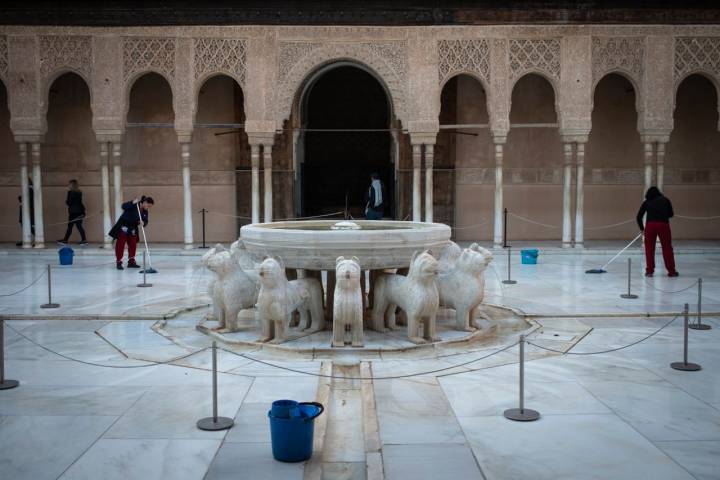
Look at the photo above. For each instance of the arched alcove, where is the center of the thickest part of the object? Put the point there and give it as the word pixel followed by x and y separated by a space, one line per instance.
pixel 533 160
pixel 461 195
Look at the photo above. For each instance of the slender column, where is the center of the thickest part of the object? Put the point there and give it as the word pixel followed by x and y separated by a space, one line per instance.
pixel 37 194
pixel 429 151
pixel 255 161
pixel 648 166
pixel 660 165
pixel 117 179
pixel 567 183
pixel 417 159
pixel 25 196
pixel 267 184
pixel 498 224
pixel 580 196
pixel 105 175
pixel 187 195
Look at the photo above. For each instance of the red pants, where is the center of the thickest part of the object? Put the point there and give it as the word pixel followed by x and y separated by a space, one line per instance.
pixel 131 241
pixel 652 231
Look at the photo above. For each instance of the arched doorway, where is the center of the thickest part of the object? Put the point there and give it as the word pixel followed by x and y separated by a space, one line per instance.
pixel 345 136
pixel 9 170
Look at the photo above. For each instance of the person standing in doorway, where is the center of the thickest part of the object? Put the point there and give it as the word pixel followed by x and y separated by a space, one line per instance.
pixel 657 224
pixel 76 212
pixel 31 203
pixel 375 198
pixel 125 230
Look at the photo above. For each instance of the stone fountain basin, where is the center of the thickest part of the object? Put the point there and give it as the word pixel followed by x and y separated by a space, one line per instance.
pixel 312 245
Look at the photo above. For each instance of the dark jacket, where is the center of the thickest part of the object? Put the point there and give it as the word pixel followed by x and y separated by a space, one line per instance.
pixel 31 196
pixel 658 209
pixel 74 203
pixel 129 219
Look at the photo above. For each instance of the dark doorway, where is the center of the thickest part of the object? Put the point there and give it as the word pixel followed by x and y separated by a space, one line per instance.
pixel 336 165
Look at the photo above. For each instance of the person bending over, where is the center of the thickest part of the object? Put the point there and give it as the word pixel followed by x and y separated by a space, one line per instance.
pixel 657 224
pixel 126 228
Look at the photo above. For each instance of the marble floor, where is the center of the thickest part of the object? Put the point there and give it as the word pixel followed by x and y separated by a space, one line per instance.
pixel 104 409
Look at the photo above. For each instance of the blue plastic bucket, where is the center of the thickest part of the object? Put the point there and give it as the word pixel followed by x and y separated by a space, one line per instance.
pixel 66 255
pixel 529 257
pixel 292 437
pixel 285 409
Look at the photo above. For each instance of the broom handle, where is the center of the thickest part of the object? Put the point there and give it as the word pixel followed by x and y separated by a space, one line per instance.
pixel 142 227
pixel 621 251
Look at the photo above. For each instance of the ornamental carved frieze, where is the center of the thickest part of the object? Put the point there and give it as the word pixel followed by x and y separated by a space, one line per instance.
pixel 694 54
pixel 220 55
pixel 297 60
pixel 624 54
pixel 3 56
pixel 463 56
pixel 60 52
pixel 148 54
pixel 534 55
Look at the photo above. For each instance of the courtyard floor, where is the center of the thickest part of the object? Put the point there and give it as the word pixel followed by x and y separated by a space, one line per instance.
pixel 104 410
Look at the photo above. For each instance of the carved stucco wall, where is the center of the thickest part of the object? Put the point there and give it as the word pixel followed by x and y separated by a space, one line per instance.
pixel 220 56
pixel 3 57
pixel 697 55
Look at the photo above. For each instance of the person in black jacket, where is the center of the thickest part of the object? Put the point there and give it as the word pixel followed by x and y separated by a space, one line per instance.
pixel 657 224
pixel 375 198
pixel 76 212
pixel 31 204
pixel 126 228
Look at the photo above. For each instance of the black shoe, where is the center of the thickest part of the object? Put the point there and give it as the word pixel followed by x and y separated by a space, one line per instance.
pixel 673 274
pixel 62 242
pixel 18 244
pixel 132 265
pixel 119 266
pixel 83 242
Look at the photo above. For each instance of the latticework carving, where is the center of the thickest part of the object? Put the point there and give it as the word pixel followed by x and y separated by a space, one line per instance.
pixel 618 53
pixel 220 55
pixel 148 54
pixel 534 55
pixel 463 56
pixel 58 52
pixel 697 54
pixel 3 56
pixel 298 59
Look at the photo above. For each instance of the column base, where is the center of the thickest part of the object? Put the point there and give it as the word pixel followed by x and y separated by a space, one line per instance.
pixel 188 246
pixel 579 245
pixel 39 245
pixel 567 245
pixel 27 245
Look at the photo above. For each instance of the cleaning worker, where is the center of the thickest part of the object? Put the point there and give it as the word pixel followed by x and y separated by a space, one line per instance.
pixel 125 229
pixel 657 224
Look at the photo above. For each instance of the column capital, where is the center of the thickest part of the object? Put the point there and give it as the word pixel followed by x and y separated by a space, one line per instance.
pixel 499 138
pixel 29 138
pixel 567 137
pixel 184 136
pixel 655 136
pixel 261 138
pixel 105 136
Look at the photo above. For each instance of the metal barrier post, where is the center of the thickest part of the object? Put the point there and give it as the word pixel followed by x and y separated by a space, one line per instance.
pixel 509 280
pixel 144 272
pixel 215 423
pixel 50 303
pixel 698 325
pixel 628 294
pixel 5 384
pixel 505 215
pixel 684 365
pixel 522 414
pixel 203 211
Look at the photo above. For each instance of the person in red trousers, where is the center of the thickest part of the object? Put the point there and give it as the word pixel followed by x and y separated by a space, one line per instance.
pixel 657 224
pixel 125 230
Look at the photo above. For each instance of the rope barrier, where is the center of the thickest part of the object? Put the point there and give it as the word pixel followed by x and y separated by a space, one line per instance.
pixel 25 287
pixel 609 350
pixel 532 221
pixel 670 291
pixel 686 217
pixel 601 227
pixel 471 226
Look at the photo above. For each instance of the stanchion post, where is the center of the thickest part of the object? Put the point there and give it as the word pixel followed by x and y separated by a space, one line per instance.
pixel 214 423
pixel 628 294
pixel 50 303
pixel 697 324
pixel 522 414
pixel 509 280
pixel 5 384
pixel 203 211
pixel 505 215
pixel 144 272
pixel 684 365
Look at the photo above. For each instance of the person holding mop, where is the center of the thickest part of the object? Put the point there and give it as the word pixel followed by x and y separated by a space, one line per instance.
pixel 657 224
pixel 126 228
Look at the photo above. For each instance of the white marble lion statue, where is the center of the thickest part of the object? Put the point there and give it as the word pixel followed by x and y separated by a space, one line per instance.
pixel 461 282
pixel 347 302
pixel 279 298
pixel 416 294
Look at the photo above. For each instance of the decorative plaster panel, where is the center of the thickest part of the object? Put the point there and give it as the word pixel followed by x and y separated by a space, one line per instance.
pixel 220 55
pixel 141 54
pixel 463 56
pixel 58 52
pixel 697 54
pixel 3 56
pixel 618 53
pixel 534 55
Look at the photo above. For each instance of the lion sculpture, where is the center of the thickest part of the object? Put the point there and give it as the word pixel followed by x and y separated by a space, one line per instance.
pixel 279 298
pixel 347 302
pixel 416 294
pixel 461 283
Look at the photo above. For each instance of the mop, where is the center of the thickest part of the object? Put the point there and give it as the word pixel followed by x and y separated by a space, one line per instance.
pixel 149 269
pixel 602 269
